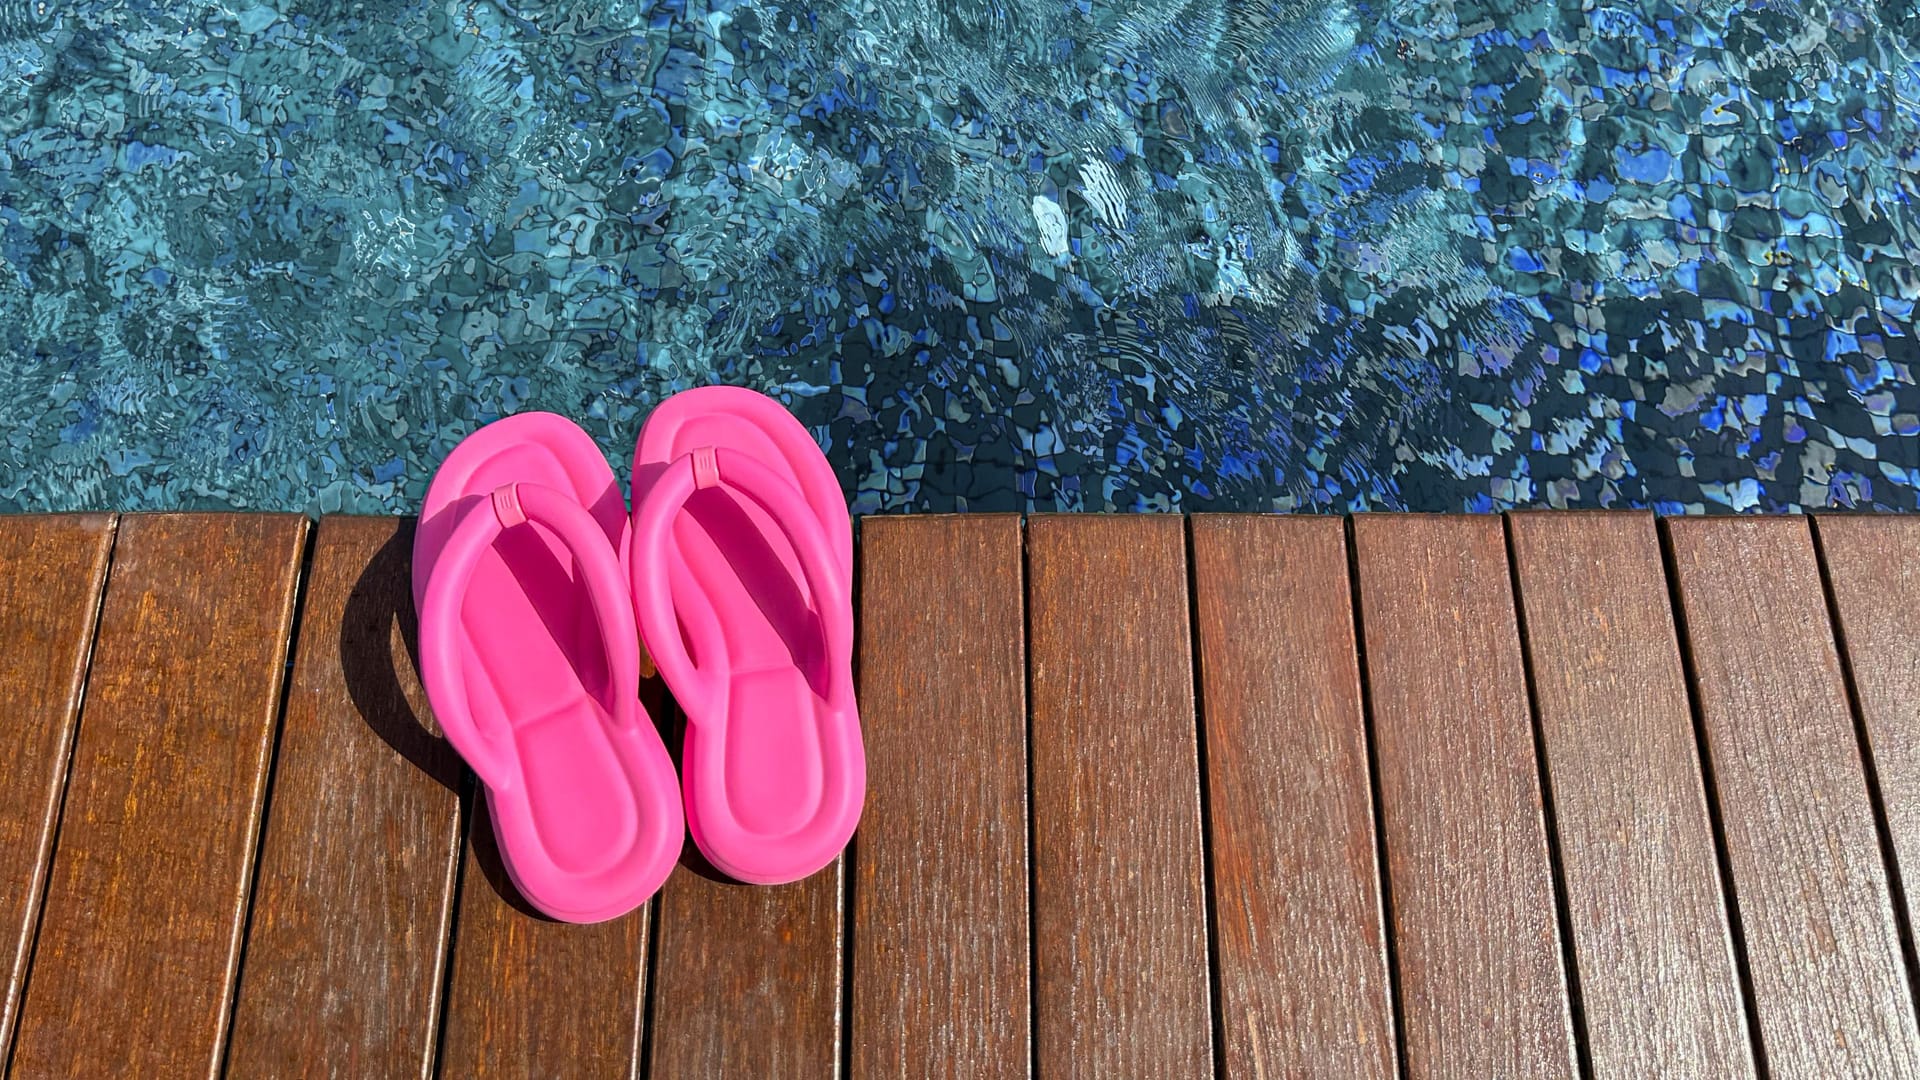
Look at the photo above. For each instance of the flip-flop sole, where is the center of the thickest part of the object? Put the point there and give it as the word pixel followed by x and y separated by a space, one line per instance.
pixel 584 806
pixel 774 776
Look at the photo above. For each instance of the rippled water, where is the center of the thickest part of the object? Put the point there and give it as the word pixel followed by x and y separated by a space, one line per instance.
pixel 1434 254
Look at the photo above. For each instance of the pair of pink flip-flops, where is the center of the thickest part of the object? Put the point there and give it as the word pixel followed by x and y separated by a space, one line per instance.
pixel 535 591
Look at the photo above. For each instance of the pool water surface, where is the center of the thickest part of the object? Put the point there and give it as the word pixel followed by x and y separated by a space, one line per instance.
pixel 997 254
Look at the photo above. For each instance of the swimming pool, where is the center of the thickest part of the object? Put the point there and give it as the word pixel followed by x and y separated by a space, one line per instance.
pixel 999 254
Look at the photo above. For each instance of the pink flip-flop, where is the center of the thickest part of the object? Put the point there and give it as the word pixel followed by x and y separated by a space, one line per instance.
pixel 530 657
pixel 742 559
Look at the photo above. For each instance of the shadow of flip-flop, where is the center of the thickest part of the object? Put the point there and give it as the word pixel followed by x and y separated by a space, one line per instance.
pixel 380 600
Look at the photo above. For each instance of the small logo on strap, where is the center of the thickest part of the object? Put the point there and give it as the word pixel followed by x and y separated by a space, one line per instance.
pixel 506 506
pixel 706 468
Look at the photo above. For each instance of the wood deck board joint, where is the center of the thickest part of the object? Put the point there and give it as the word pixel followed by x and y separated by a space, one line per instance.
pixel 1569 964
pixel 464 808
pixel 1033 839
pixel 1215 989
pixel 295 621
pixel 1382 879
pixel 39 901
pixel 850 872
pixel 1723 858
pixel 1870 768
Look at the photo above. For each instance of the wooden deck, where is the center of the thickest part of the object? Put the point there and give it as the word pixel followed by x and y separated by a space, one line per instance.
pixel 1544 796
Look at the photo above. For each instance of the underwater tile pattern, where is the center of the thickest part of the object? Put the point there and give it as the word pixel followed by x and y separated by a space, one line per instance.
pixel 998 254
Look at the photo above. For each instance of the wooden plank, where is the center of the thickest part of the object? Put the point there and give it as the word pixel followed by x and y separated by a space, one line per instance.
pixel 1659 991
pixel 529 996
pixel 747 981
pixel 1829 984
pixel 343 965
pixel 1474 924
pixel 1873 572
pixel 141 935
pixel 940 947
pixel 1296 891
pixel 1119 901
pixel 52 569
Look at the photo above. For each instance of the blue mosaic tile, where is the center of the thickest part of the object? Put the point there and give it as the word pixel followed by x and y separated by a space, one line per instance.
pixel 1048 254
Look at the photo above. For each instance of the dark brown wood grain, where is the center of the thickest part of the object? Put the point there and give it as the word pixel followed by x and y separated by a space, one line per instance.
pixel 1476 937
pixel 1659 990
pixel 940 948
pixel 747 981
pixel 136 950
pixel 343 964
pixel 138 944
pixel 532 997
pixel 51 571
pixel 1119 904
pixel 1873 572
pixel 1296 890
pixel 1829 983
